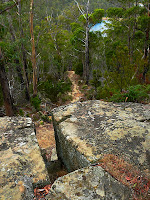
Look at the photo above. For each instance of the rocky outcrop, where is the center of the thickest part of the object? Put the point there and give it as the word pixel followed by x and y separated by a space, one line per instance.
pixel 22 167
pixel 87 131
pixel 88 184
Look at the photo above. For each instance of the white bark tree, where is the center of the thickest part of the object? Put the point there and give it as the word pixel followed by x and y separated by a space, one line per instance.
pixel 85 14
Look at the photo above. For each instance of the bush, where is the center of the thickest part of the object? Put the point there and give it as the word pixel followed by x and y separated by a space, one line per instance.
pixel 35 101
pixel 54 90
pixel 96 79
pixel 21 112
pixel 118 97
pixel 45 118
pixel 137 93
pixel 79 69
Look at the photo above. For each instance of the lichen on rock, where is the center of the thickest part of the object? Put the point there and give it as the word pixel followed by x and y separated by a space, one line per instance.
pixel 22 165
pixel 88 184
pixel 86 132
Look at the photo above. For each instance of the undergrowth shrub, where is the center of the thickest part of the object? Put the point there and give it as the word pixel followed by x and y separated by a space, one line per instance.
pixel 78 68
pixel 35 101
pixel 137 93
pixel 55 90
pixel 95 82
pixel 21 112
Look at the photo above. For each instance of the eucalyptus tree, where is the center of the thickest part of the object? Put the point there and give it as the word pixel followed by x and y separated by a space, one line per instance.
pixel 87 19
pixel 14 21
pixel 33 57
pixel 129 32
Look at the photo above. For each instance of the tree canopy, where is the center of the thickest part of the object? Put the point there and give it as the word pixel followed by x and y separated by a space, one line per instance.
pixel 111 61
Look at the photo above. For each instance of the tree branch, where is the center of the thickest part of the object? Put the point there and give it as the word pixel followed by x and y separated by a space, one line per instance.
pixel 80 9
pixel 8 8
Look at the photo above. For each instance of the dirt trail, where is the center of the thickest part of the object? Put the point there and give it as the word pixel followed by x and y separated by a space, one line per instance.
pixel 45 133
pixel 76 93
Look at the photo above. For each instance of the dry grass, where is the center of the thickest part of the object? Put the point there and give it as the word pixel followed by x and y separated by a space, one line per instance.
pixel 127 174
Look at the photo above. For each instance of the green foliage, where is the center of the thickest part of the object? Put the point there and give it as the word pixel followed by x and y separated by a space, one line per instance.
pixel 118 97
pixel 21 112
pixel 139 35
pixel 103 93
pixel 115 12
pixel 144 22
pixel 54 89
pixel 97 15
pixel 78 68
pixel 77 37
pixel 35 101
pixel 5 5
pixel 74 26
pixel 2 31
pixel 65 97
pixel 137 93
pixel 27 115
pixel 120 71
pixel 82 18
pixel 96 79
pixel 94 18
pixel 132 11
pixel 45 118
pixel 59 32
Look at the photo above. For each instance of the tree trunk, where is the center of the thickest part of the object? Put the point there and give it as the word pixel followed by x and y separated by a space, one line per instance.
pixel 8 102
pixel 87 61
pixel 13 38
pixel 33 58
pixel 146 50
pixel 23 55
pixel 24 83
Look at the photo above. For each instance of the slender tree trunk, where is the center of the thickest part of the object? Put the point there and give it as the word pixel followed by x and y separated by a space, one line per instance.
pixel 33 58
pixel 13 38
pixel 8 102
pixel 23 55
pixel 146 50
pixel 129 39
pixel 87 61
pixel 18 67
pixel 86 66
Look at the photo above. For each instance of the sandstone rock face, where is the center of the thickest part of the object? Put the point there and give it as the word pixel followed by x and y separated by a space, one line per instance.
pixel 86 131
pixel 21 163
pixel 88 184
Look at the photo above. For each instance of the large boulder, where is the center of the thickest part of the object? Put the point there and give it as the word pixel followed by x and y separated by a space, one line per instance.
pixel 88 184
pixel 21 163
pixel 86 132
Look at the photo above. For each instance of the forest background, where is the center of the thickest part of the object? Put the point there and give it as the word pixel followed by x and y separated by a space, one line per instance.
pixel 41 40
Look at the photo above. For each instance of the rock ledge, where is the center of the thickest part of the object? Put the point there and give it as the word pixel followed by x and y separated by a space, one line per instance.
pixel 21 163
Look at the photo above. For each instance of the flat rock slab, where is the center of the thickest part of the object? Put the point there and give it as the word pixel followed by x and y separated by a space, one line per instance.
pixel 88 184
pixel 21 163
pixel 88 130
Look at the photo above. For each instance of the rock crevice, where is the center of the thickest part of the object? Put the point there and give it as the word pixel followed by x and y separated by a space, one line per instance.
pixel 94 129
